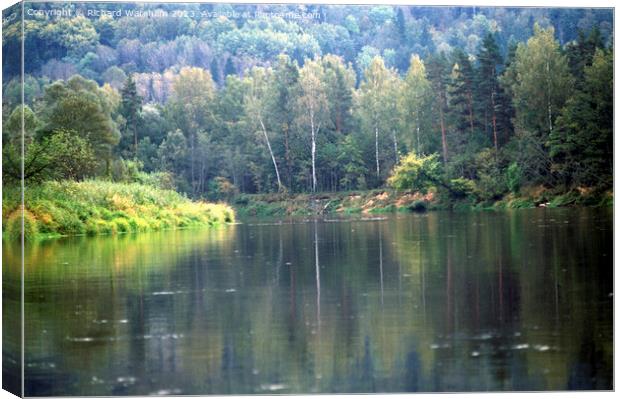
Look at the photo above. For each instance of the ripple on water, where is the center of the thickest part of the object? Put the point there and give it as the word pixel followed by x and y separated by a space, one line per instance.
pixel 80 339
pixel 272 387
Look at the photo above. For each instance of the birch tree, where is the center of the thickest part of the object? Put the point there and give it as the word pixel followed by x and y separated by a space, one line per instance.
pixel 414 101
pixel 192 105
pixel 542 82
pixel 376 104
pixel 256 109
pixel 312 107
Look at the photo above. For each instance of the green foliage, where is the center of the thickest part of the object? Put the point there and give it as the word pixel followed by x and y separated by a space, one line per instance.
pixel 582 145
pixel 14 225
pixel 542 82
pixel 569 198
pixel 76 35
pixel 491 182
pixel 221 189
pixel 102 207
pixel 513 177
pixel 462 188
pixel 130 109
pixel 81 107
pixel 63 155
pixel 314 105
pixel 416 173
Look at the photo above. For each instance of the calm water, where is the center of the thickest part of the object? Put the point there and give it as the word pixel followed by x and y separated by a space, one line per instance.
pixel 516 300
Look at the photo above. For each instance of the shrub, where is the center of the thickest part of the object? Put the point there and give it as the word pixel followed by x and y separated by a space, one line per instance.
pixel 14 225
pixel 122 225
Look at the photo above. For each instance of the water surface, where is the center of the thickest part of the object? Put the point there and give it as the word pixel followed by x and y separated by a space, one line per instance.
pixel 518 300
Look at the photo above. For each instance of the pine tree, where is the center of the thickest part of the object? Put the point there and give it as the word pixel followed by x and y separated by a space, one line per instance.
pixel 400 23
pixel 130 109
pixel 462 92
pixel 582 144
pixel 439 74
pixel 229 68
pixel 581 51
pixel 489 60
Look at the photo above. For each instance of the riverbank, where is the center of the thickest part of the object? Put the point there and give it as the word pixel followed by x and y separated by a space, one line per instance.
pixel 388 201
pixel 95 207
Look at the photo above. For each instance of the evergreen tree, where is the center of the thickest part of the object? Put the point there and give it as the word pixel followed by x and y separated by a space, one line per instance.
pixel 462 92
pixel 131 109
pixel 490 61
pixel 582 144
pixel 540 83
pixel 229 67
pixel 439 75
pixel 581 51
pixel 400 23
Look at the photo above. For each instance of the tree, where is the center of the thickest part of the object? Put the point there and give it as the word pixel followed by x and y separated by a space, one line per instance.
pixel 462 92
pixel 400 23
pixel 415 101
pixel 581 146
pixel 489 60
pixel 172 153
pixel 438 73
pixel 542 82
pixel 60 155
pixel 18 131
pixel 312 106
pixel 416 173
pixel 192 104
pixel 339 81
pixel 131 109
pixel 286 81
pixel 581 51
pixel 351 158
pixel 376 104
pixel 256 108
pixel 79 106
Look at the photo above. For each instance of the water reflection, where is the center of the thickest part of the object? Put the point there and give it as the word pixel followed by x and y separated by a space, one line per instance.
pixel 435 302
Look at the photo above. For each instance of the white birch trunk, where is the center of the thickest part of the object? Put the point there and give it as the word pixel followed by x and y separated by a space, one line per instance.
pixel 313 151
pixel 377 149
pixel 273 158
pixel 549 98
pixel 395 146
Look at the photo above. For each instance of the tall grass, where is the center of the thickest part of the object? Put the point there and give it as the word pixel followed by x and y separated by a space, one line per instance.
pixel 101 207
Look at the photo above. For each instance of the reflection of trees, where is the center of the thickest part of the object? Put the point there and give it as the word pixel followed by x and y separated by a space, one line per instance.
pixel 335 307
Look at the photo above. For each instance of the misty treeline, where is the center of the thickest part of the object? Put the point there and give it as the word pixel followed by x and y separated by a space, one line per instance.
pixel 265 106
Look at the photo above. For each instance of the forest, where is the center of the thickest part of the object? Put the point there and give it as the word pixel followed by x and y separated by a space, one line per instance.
pixel 478 103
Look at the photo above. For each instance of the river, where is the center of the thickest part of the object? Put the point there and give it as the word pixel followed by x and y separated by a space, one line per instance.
pixel 477 301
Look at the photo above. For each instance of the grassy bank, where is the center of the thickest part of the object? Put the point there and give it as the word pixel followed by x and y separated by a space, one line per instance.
pixel 101 207
pixel 387 201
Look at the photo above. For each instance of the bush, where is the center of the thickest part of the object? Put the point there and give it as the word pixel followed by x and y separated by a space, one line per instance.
pixel 14 225
pixel 122 225
pixel 462 188
pixel 416 173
